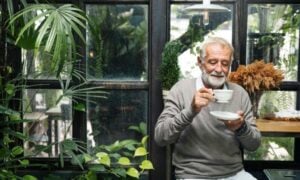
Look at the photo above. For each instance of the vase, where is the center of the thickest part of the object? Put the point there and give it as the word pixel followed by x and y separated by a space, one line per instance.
pixel 255 98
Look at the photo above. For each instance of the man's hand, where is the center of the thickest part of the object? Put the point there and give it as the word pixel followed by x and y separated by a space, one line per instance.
pixel 234 125
pixel 202 98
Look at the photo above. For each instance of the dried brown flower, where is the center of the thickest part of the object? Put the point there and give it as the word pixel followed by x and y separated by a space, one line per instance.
pixel 257 76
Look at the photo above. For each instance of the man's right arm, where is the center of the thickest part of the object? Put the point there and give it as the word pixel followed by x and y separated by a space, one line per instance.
pixel 176 115
pixel 172 122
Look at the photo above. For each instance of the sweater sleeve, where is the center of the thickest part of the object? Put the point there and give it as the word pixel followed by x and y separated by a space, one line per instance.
pixel 173 120
pixel 248 135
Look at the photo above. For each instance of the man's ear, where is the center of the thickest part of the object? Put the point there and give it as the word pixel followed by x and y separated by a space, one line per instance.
pixel 199 62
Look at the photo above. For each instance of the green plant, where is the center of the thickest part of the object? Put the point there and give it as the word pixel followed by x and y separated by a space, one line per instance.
pixel 47 30
pixel 117 42
pixel 169 70
pixel 123 159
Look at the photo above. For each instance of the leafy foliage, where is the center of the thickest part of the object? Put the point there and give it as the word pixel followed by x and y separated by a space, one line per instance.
pixel 123 159
pixel 169 70
pixel 53 30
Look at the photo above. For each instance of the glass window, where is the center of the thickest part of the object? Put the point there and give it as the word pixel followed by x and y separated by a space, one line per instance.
pixel 273 148
pixel 108 119
pixel 191 25
pixel 273 35
pixel 276 101
pixel 275 105
pixel 41 66
pixel 50 121
pixel 117 42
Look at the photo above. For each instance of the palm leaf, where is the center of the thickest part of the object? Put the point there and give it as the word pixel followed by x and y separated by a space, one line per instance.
pixel 56 28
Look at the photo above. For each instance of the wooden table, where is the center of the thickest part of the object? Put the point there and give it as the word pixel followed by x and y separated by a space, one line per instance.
pixel 279 128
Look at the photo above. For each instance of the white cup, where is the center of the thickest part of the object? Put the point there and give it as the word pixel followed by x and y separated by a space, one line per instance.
pixel 223 95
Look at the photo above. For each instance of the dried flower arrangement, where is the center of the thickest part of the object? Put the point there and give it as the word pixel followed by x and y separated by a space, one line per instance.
pixel 257 76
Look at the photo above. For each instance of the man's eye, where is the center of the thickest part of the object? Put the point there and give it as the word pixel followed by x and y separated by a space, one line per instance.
pixel 212 62
pixel 225 64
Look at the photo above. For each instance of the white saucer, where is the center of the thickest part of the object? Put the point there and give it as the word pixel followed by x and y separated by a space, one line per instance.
pixel 225 115
pixel 220 101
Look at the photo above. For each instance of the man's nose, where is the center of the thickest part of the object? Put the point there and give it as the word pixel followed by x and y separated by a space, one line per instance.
pixel 218 67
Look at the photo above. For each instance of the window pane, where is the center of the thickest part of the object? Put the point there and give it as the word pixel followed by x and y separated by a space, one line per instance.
pixel 109 119
pixel 273 148
pixel 40 66
pixel 277 101
pixel 271 105
pixel 190 27
pixel 273 35
pixel 117 42
pixel 50 122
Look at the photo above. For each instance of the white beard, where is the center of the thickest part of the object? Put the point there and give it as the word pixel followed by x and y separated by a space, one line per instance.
pixel 213 81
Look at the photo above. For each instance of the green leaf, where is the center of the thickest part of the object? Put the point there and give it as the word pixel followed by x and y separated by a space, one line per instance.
pixel 29 177
pixel 42 148
pixel 91 175
pixel 7 140
pixel 4 153
pixel 119 172
pixel 9 89
pixel 143 128
pixel 15 116
pixel 146 164
pixel 115 155
pixel 97 168
pixel 68 144
pixel 17 150
pixel 144 140
pixel 130 147
pixel 87 157
pixel 141 151
pixel 124 161
pixel 77 159
pixel 80 107
pixel 103 158
pixel 27 40
pixel 24 162
pixel 133 172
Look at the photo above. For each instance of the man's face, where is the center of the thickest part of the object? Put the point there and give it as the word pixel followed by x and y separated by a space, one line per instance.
pixel 216 65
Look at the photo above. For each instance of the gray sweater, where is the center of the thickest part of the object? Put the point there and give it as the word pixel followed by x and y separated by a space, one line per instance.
pixel 203 146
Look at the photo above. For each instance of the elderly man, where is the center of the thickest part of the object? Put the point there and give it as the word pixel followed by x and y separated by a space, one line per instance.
pixel 206 147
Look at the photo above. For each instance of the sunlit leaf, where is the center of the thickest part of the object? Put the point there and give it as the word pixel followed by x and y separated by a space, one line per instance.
pixel 79 107
pixel 144 140
pixel 146 164
pixel 124 161
pixel 87 157
pixel 133 172
pixel 103 158
pixel 141 151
